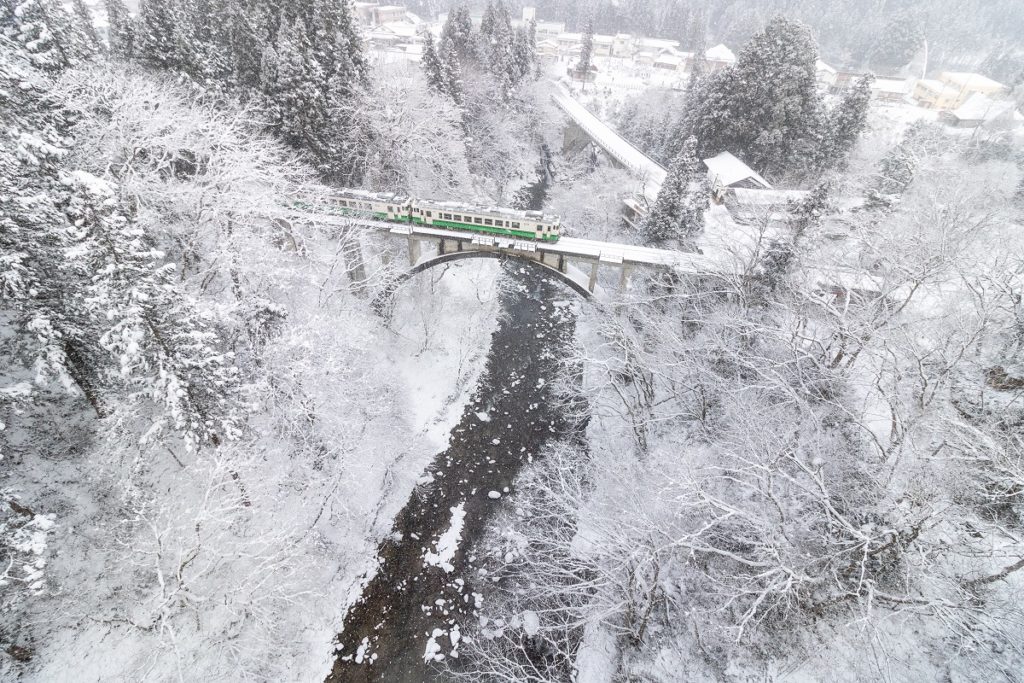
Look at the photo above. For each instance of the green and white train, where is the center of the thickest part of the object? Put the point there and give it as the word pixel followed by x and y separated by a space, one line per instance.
pixel 532 225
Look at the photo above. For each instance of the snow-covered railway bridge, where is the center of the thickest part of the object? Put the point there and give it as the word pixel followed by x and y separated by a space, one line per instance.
pixel 576 262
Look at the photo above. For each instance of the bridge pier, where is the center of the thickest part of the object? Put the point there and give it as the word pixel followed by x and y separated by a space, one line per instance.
pixel 624 272
pixel 593 276
pixel 414 250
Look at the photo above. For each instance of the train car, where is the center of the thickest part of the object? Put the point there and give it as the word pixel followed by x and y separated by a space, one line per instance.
pixel 385 206
pixel 531 225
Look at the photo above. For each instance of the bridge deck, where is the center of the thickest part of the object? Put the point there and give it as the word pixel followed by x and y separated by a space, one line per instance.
pixel 571 247
pixel 625 153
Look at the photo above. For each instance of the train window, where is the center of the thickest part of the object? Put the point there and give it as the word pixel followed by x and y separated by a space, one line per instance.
pixel 477 221
pixel 514 224
pixel 487 221
pixel 428 214
pixel 456 217
pixel 389 209
pixel 447 216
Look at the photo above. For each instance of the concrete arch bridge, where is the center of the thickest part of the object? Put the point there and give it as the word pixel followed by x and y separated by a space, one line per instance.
pixel 575 262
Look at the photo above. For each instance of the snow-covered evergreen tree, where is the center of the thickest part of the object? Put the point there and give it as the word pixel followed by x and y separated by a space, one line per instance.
pixel 431 64
pixel 896 171
pixel 766 109
pixel 523 50
pixel 586 53
pixel 121 29
pixel 160 38
pixel 52 36
pixel 458 27
pixel 85 22
pixel 846 123
pixel 451 71
pixel 488 21
pixel 678 211
pixel 897 44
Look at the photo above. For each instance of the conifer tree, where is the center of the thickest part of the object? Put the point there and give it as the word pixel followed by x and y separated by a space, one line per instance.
pixel 211 24
pixel 846 124
pixel 500 39
pixel 896 172
pixel 522 53
pixel 678 211
pixel 431 64
pixel 297 92
pixel 53 38
pixel 85 21
pixel 458 27
pixel 766 109
pixel 487 22
pixel 451 71
pixel 902 37
pixel 121 34
pixel 158 34
pixel 250 35
pixel 586 53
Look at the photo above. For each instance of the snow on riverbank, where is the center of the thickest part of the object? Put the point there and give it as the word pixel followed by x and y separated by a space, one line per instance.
pixel 443 321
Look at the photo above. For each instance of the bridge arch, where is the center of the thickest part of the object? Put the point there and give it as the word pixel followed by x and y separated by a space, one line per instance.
pixel 383 300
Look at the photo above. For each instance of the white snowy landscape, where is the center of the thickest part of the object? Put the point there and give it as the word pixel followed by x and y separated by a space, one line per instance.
pixel 590 341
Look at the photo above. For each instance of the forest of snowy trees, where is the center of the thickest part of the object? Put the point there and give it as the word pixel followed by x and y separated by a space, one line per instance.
pixel 809 464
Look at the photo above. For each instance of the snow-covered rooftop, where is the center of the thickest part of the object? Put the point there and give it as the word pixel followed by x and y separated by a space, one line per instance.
pixel 966 78
pixel 822 66
pixel 980 107
pixel 669 59
pixel 657 43
pixel 728 170
pixel 891 85
pixel 749 197
pixel 719 53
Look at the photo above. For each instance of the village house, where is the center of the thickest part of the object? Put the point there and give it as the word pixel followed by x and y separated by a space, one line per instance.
pixel 894 90
pixel 549 29
pixel 981 111
pixel 934 94
pixel 726 173
pixel 547 50
pixel 374 14
pixel 718 58
pixel 825 75
pixel 656 45
pixel 622 46
pixel 953 88
pixel 603 45
pixel 970 83
pixel 670 62
pixel 393 34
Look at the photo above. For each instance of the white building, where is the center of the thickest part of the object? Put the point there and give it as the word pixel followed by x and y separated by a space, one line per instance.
pixel 719 57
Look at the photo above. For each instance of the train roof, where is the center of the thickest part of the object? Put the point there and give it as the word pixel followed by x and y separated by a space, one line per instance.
pixel 372 196
pixel 492 210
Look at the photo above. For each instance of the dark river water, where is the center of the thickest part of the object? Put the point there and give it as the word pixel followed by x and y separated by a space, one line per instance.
pixel 411 615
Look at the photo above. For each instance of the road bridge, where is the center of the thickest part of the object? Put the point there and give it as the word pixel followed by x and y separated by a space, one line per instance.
pixel 648 172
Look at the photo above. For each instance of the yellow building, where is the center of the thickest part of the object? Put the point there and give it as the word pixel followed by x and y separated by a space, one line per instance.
pixel 933 94
pixel 954 88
